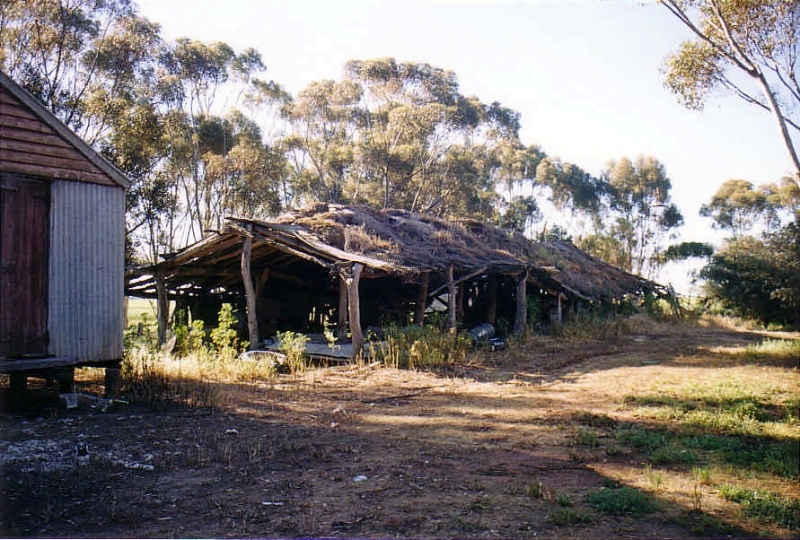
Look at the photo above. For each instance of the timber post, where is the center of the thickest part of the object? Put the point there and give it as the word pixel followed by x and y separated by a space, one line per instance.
pixel 422 299
pixel 491 306
pixel 452 292
pixel 341 323
pixel 162 307
pixel 249 292
pixel 521 320
pixel 354 308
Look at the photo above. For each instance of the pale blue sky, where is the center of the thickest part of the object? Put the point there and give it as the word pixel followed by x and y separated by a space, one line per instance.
pixel 584 74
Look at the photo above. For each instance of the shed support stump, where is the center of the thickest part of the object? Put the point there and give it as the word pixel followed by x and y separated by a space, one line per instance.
pixel 452 292
pixel 422 299
pixel 250 294
pixel 112 380
pixel 354 308
pixel 521 320
pixel 162 308
pixel 491 305
pixel 341 323
pixel 17 391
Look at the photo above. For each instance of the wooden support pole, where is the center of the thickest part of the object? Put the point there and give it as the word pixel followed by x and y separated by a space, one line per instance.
pixel 341 323
pixel 452 293
pixel 354 308
pixel 422 299
pixel 162 308
pixel 250 293
pixel 559 309
pixel 491 305
pixel 521 320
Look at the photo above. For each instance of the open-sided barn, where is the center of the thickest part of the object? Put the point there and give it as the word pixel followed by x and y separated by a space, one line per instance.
pixel 62 212
pixel 357 266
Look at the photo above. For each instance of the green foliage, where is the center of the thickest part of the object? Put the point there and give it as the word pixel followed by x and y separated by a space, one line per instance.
pixel 758 278
pixel 764 504
pixel 224 336
pixel 411 346
pixel 687 250
pixel 569 516
pixel 621 501
pixel 745 48
pixel 293 345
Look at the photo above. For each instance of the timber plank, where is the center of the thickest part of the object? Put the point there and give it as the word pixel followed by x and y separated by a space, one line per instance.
pixel 44 150
pixel 55 173
pixel 40 137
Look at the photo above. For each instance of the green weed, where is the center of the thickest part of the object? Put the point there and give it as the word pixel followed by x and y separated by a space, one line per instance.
pixel 568 516
pixel 585 436
pixel 621 501
pixel 764 505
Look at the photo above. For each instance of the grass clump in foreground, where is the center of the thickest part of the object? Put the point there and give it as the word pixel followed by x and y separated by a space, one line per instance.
pixel 764 505
pixel 621 501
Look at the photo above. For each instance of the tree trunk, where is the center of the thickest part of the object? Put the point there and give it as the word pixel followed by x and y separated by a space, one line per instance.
pixel 354 307
pixel 250 294
pixel 422 299
pixel 521 320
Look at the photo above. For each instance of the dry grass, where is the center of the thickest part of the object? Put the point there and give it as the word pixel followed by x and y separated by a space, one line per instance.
pixel 517 443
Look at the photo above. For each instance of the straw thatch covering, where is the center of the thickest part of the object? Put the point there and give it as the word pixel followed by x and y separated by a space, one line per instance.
pixel 305 252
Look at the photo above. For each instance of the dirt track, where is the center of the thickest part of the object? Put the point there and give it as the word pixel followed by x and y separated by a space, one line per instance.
pixel 485 449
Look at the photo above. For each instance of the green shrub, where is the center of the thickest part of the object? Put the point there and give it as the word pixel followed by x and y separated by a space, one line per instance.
pixel 293 345
pixel 224 336
pixel 621 501
pixel 569 516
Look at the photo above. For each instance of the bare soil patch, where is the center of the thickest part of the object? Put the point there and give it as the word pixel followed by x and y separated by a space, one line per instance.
pixel 491 448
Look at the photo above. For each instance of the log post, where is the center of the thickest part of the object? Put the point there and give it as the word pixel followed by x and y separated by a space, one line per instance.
pixel 249 293
pixel 354 308
pixel 422 299
pixel 491 306
pixel 341 323
pixel 162 307
pixel 521 320
pixel 452 293
pixel 559 309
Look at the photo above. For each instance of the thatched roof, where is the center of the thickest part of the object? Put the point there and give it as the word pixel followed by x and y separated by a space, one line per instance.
pixel 389 243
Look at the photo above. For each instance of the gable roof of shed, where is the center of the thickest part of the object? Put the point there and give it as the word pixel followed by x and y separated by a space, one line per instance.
pixel 29 135
pixel 388 243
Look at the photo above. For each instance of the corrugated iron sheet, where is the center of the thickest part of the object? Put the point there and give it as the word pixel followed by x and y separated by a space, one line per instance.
pixel 87 260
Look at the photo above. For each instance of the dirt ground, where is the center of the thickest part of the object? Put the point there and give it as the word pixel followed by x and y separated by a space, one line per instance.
pixel 485 449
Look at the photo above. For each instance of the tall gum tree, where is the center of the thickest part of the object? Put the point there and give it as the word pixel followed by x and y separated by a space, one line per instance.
pixel 748 47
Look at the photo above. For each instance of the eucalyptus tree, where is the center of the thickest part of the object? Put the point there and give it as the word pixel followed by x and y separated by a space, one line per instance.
pixel 321 145
pixel 638 215
pixel 416 134
pixel 200 79
pixel 85 60
pixel 746 47
pixel 736 207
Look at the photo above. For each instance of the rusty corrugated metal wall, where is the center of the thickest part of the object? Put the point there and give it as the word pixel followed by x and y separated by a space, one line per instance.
pixel 86 271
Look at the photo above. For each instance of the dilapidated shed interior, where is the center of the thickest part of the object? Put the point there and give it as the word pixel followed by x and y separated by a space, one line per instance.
pixel 356 266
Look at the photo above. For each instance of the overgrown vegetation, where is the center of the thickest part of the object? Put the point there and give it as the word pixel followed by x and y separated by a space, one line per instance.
pixel 413 346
